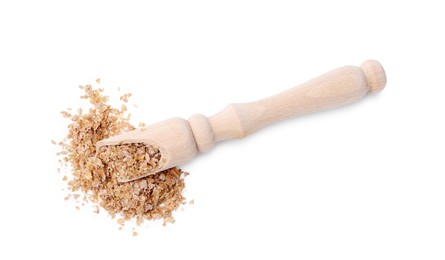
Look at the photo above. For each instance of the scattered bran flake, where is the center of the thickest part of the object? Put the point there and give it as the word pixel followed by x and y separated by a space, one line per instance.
pixel 67 197
pixel 192 202
pixel 53 142
pixel 169 219
pixel 125 97
pixel 152 197
pixel 98 80
pixel 135 233
pixel 64 177
pixel 77 207
pixel 121 221
pixel 66 114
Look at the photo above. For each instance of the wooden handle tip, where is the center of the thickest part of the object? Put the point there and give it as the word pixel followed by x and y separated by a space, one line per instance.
pixel 375 75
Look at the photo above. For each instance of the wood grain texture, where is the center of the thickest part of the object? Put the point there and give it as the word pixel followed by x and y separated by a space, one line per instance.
pixel 181 140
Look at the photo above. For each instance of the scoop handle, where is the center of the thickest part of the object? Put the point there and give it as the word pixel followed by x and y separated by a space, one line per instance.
pixel 336 88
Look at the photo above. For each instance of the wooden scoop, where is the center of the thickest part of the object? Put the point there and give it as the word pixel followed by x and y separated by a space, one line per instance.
pixel 179 140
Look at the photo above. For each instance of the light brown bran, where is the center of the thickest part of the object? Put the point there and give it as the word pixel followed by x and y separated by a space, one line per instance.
pixel 95 176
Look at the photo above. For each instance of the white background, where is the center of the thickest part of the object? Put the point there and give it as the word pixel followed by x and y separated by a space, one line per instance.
pixel 362 182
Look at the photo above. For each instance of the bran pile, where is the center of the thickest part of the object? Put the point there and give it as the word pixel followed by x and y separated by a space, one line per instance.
pixel 94 175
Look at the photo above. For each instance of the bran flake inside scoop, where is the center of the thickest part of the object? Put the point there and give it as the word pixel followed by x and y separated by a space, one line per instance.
pixel 96 175
pixel 130 161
